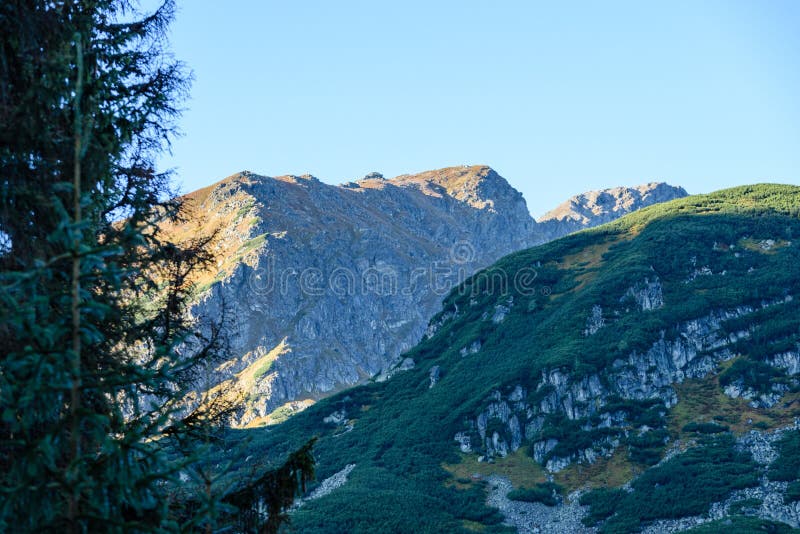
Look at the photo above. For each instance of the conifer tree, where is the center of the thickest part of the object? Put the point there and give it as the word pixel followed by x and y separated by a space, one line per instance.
pixel 95 429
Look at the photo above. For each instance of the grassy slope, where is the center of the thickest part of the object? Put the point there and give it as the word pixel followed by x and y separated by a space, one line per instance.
pixel 402 441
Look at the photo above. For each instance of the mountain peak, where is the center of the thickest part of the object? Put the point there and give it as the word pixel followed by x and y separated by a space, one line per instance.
pixel 452 179
pixel 477 185
pixel 608 204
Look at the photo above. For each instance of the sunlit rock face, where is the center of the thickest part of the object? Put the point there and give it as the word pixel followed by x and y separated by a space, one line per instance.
pixel 322 286
pixel 598 207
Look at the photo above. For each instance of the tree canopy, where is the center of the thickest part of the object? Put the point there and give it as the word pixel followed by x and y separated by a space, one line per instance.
pixel 98 355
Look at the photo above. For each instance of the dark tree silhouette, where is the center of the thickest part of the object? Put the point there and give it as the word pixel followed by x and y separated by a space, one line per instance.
pixel 95 426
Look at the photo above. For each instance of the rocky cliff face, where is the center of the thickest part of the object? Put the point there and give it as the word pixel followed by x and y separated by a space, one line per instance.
pixel 695 350
pixel 325 286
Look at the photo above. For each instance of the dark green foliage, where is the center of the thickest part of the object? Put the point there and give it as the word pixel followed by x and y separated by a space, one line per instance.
pixel 684 485
pixel 376 510
pixel 767 323
pixel 602 503
pixel 638 413
pixel 437 503
pixel 84 106
pixel 645 455
pixel 276 489
pixel 646 448
pixel 744 506
pixel 792 492
pixel 705 428
pixel 787 466
pixel 97 353
pixel 545 493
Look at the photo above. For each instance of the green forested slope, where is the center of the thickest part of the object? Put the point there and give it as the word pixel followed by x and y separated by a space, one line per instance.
pixel 732 250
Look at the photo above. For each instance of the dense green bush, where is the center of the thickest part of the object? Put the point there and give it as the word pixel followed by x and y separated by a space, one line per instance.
pixel 545 493
pixel 745 505
pixel 704 428
pixel 602 503
pixel 787 466
pixel 792 492
pixel 646 448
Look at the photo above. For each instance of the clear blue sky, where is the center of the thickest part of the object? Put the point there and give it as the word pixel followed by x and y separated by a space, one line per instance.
pixel 558 97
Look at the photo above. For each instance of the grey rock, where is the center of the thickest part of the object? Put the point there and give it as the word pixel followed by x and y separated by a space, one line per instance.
pixel 473 348
pixel 595 321
pixel 647 295
pixel 565 518
pixel 406 364
pixel 517 395
pixel 500 313
pixel 327 486
pixel 788 361
pixel 336 418
pixel 434 375
pixel 541 448
pixel 464 442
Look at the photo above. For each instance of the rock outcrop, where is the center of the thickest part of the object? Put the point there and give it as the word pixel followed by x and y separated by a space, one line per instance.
pixel 325 286
pixel 509 420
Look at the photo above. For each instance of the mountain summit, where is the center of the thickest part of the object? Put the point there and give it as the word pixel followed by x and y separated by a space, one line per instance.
pixel 325 286
pixel 598 207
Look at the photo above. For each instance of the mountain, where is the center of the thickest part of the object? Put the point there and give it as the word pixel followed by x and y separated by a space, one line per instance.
pixel 640 376
pixel 323 287
pixel 598 207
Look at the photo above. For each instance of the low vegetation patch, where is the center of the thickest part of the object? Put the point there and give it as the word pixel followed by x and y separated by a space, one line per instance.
pixel 517 467
pixel 704 401
pixel 744 506
pixel 603 473
pixel 705 428
pixel 787 467
pixel 546 493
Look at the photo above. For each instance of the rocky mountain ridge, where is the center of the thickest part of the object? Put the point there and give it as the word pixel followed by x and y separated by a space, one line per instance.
pixel 325 286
